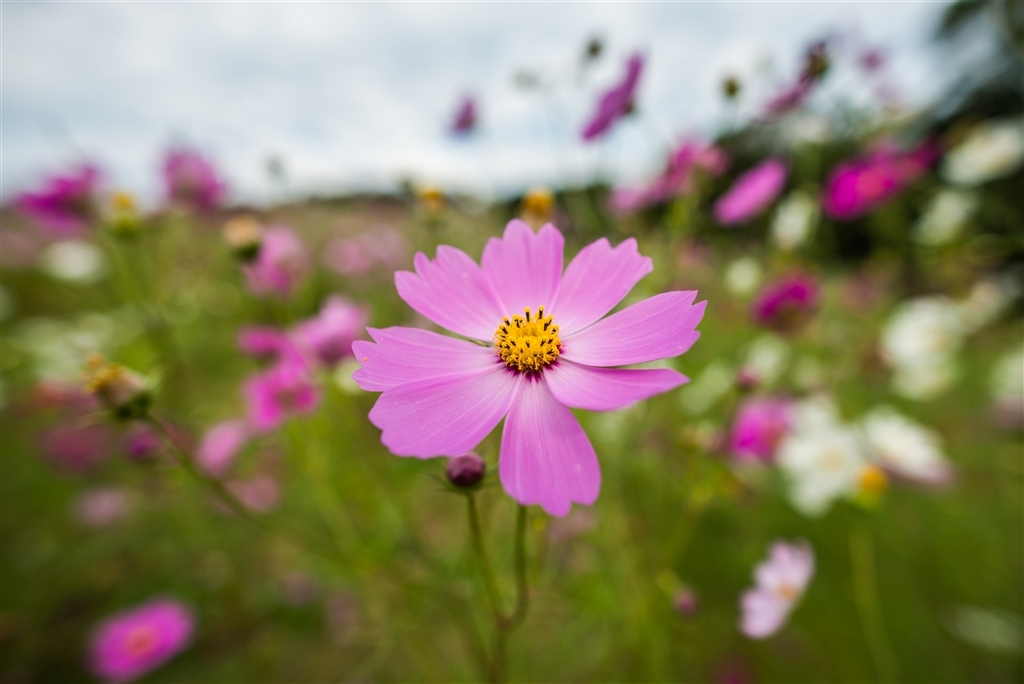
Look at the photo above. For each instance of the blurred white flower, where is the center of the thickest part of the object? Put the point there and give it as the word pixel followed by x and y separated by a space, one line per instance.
pixel 73 261
pixel 1007 379
pixel 794 220
pixel 766 359
pixel 742 276
pixel 57 348
pixel 991 630
pixel 992 149
pixel 707 388
pixel 919 342
pixel 945 217
pixel 905 447
pixel 988 299
pixel 822 459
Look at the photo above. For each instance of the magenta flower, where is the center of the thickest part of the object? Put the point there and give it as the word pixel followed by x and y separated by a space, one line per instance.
pixel 191 181
pixel 760 424
pixel 685 162
pixel 780 581
pixel 220 445
pixel 615 102
pixel 329 336
pixel 280 265
pixel 66 205
pixel 77 446
pixel 787 304
pixel 141 443
pixel 547 350
pixel 464 121
pixel 130 644
pixel 752 192
pixel 263 342
pixel 284 390
pixel 856 187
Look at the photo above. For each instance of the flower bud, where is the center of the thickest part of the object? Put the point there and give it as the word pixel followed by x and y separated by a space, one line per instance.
pixel 747 379
pixel 731 87
pixel 243 236
pixel 123 391
pixel 123 217
pixel 465 471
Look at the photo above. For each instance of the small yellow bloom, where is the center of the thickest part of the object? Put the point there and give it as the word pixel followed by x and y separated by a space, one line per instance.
pixel 123 216
pixel 123 391
pixel 432 199
pixel 537 207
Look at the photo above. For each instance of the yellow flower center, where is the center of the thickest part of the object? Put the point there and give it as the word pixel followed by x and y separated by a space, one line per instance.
pixel 786 591
pixel 873 480
pixel 528 343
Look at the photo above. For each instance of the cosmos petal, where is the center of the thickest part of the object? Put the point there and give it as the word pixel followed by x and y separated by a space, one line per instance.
pixel 659 327
pixel 607 389
pixel 546 458
pixel 444 415
pixel 524 267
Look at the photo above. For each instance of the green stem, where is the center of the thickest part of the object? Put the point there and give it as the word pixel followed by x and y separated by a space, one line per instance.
pixel 475 533
pixel 865 590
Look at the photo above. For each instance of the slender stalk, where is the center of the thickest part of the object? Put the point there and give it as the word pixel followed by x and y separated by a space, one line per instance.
pixel 522 591
pixel 475 533
pixel 865 590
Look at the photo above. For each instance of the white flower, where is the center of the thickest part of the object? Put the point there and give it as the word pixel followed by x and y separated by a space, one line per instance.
pixel 711 385
pixel 742 276
pixel 74 261
pixel 766 358
pixel 905 447
pixel 926 379
pixel 780 581
pixel 821 458
pixel 945 217
pixel 987 300
pixel 794 220
pixel 919 342
pixel 992 149
pixel 1007 380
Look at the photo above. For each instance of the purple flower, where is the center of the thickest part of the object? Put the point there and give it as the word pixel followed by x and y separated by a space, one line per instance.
pixel 329 336
pixel 141 443
pixel 66 205
pixel 752 192
pixel 786 304
pixel 77 446
pixel 220 445
pixel 191 181
pixel 130 644
pixel 281 264
pixel 284 390
pixel 858 186
pixel 780 581
pixel 615 102
pixel 685 162
pixel 464 121
pixel 548 350
pixel 760 424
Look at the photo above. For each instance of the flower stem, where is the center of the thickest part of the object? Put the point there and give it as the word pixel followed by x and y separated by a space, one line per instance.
pixel 475 533
pixel 865 590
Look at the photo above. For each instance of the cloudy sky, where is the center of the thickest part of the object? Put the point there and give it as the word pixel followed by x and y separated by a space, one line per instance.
pixel 357 95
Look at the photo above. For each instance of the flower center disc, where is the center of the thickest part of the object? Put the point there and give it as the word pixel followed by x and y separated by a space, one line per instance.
pixel 528 343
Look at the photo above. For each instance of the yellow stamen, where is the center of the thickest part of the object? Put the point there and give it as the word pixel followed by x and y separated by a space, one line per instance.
pixel 528 343
pixel 873 480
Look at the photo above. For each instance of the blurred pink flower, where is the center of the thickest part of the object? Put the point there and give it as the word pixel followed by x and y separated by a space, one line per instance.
pixel 786 304
pixel 752 192
pixel 760 424
pixel 66 204
pixel 615 102
pixel 102 506
pixel 280 265
pixel 465 118
pixel 284 390
pixel 384 246
pixel 141 443
pixel 788 99
pixel 442 396
pixel 816 63
pixel 259 494
pixel 858 186
pixel 331 333
pixel 130 644
pixel 263 342
pixel 191 181
pixel 220 445
pixel 77 447
pixel 780 581
pixel 678 178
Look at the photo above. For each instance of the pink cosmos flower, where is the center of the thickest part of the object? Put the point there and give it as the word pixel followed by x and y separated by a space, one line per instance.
pixel 384 246
pixel 280 265
pixel 102 506
pixel 220 445
pixel 760 424
pixel 780 581
pixel 861 185
pixel 263 342
pixel 284 390
pixel 141 443
pixel 816 63
pixel 547 349
pixel 259 494
pixel 786 304
pixel 615 102
pixel 130 644
pixel 329 336
pixel 66 204
pixel 191 180
pixel 752 192
pixel 464 121
pixel 678 178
